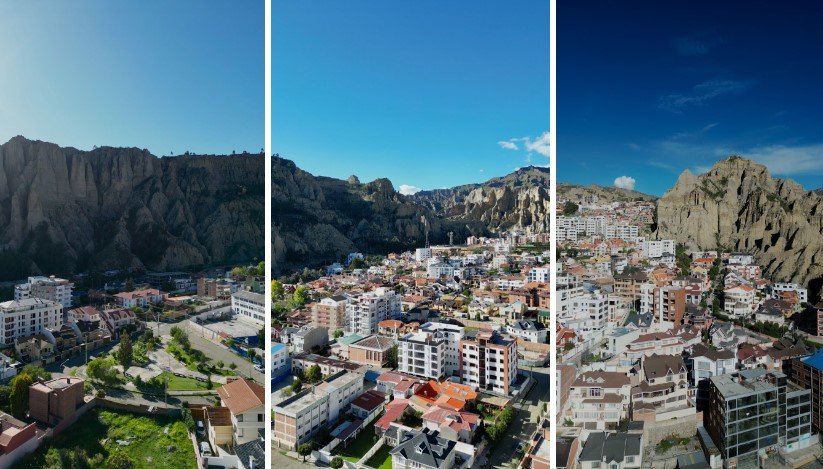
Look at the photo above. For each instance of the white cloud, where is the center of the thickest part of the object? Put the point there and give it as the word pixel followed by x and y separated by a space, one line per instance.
pixel 625 182
pixel 406 189
pixel 787 161
pixel 540 145
pixel 508 144
pixel 701 94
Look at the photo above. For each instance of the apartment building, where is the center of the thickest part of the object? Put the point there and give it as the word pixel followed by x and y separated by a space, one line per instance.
pixel 489 362
pixel 453 334
pixel 531 331
pixel 29 316
pixel 779 288
pixel 47 288
pixel 669 304
pixel 738 300
pixel 299 417
pixel 539 274
pixel 807 372
pixel 756 412
pixel 330 313
pixel 249 306
pixel 309 339
pixel 589 312
pixel 653 249
pixel 627 285
pixel 598 400
pixel 217 288
pixel 422 353
pixel 56 400
pixel 365 311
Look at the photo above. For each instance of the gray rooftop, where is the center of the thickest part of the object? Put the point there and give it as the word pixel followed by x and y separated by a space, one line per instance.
pixel 610 447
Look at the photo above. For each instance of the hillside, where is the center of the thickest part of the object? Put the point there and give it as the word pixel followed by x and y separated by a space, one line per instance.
pixel 64 210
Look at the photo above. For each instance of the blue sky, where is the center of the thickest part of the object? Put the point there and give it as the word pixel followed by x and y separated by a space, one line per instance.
pixel 167 76
pixel 429 94
pixel 648 89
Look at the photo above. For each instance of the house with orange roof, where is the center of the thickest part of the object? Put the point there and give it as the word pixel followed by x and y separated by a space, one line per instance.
pixel 245 399
pixel 448 395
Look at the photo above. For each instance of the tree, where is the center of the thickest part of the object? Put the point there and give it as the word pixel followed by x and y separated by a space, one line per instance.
pixel 125 354
pixel 19 395
pixel 338 333
pixel 278 292
pixel 299 297
pixel 36 372
pixel 185 414
pixel 252 355
pixel 261 336
pixel 220 364
pixel 129 285
pixel 100 369
pixel 391 359
pixel 336 462
pixel 296 385
pixel 168 286
pixel 313 374
pixel 233 366
pixel 304 450
pixel 570 208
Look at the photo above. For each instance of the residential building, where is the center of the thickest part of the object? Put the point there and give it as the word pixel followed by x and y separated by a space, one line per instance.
pixel 55 401
pixel 299 417
pixel 140 298
pixel 424 449
pixel 50 288
pixel 531 331
pixel 249 306
pixel 807 372
pixel 219 426
pixel 663 392
pixel 280 362
pixel 653 249
pixel 217 288
pixel 539 274
pixel 246 401
pixel 778 288
pixel 309 339
pixel 29 316
pixel 599 400
pixel 367 405
pixel 706 362
pixel 669 304
pixel 611 451
pixel 422 353
pixel 453 425
pixel 365 311
pixel 489 362
pixel 330 313
pixel 754 412
pixel 17 438
pixel 117 319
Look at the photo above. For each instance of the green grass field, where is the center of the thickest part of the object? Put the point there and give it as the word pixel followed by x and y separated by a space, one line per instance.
pixel 381 459
pixel 178 383
pixel 94 438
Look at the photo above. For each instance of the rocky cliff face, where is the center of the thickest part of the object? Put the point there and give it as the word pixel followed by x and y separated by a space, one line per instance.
pixel 739 206
pixel 318 219
pixel 520 200
pixel 63 210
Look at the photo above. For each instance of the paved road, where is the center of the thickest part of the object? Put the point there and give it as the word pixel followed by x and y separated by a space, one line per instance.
pixel 524 424
pixel 214 351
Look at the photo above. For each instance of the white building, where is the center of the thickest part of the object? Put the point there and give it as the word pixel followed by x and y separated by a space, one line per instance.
pixel 453 335
pixel 531 331
pixel 422 354
pixel 439 269
pixel 589 312
pixel 653 249
pixel 249 306
pixel 365 311
pixel 780 287
pixel 46 288
pixel 422 254
pixel 26 317
pixel 540 274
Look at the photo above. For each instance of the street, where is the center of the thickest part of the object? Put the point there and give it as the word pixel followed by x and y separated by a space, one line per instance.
pixel 524 424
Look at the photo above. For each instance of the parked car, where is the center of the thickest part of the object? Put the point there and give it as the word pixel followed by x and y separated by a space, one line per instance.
pixel 201 429
pixel 205 449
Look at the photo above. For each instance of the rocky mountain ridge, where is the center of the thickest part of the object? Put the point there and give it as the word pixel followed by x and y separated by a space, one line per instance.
pixel 737 205
pixel 319 219
pixel 579 194
pixel 64 210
